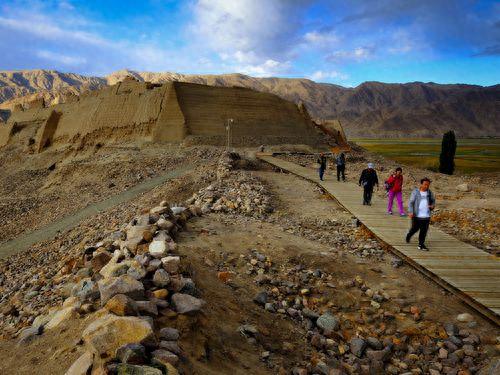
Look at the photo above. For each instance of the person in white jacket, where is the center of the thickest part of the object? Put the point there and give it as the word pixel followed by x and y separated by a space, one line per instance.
pixel 420 206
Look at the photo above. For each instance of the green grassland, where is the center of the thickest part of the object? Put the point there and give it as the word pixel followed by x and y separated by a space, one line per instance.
pixel 472 156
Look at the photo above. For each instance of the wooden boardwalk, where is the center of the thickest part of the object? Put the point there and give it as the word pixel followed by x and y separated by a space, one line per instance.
pixel 470 273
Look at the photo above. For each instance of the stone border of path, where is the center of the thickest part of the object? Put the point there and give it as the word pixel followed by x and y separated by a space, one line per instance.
pixel 445 264
pixel 25 241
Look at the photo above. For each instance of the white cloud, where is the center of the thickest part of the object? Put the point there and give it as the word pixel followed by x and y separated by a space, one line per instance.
pixel 257 36
pixel 267 68
pixel 333 75
pixel 356 54
pixel 321 39
pixel 59 57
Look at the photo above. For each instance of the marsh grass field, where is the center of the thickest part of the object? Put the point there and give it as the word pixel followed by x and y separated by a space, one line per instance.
pixel 472 156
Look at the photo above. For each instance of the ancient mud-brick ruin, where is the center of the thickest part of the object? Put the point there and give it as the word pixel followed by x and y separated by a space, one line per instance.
pixel 172 112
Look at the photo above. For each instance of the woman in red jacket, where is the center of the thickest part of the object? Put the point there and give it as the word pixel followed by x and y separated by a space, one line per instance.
pixel 395 187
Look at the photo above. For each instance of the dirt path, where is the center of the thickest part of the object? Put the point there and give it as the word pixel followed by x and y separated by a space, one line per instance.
pixel 24 241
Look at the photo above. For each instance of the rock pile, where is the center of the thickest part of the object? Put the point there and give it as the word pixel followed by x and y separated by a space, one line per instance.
pixel 479 227
pixel 361 335
pixel 234 192
pixel 132 278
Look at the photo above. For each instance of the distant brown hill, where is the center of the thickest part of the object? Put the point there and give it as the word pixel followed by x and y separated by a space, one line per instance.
pixel 372 109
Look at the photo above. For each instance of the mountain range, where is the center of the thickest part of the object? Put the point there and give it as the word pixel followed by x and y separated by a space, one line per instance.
pixel 372 109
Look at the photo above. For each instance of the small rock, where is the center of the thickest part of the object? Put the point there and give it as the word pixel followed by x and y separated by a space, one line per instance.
pixel 121 305
pixel 465 317
pixel 28 334
pixel 186 304
pixel 161 278
pixel 357 346
pixel 82 365
pixel 107 334
pixel 61 316
pixel 171 264
pixel 463 187
pixel 169 334
pixel 126 369
pixel 163 356
pixel 158 249
pixel 261 298
pixel 171 346
pixel 120 285
pixel 134 354
pixel 328 322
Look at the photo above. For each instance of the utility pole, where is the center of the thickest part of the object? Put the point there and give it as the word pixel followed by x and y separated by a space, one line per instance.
pixel 228 131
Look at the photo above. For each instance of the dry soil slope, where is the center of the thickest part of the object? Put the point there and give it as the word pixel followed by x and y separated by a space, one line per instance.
pixel 370 109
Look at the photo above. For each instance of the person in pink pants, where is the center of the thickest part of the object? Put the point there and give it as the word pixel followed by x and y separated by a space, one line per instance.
pixel 395 189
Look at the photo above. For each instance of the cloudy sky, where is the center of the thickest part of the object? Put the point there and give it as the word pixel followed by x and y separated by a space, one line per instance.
pixel 342 42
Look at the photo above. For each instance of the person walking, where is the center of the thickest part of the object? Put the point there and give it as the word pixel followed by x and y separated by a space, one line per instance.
pixel 395 189
pixel 322 165
pixel 340 161
pixel 420 206
pixel 368 180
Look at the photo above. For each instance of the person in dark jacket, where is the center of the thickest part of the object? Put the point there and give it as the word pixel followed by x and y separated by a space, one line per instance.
pixel 340 161
pixel 420 206
pixel 368 180
pixel 322 165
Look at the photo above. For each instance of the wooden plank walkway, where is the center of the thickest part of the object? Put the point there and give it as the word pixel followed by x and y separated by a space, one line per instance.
pixel 470 273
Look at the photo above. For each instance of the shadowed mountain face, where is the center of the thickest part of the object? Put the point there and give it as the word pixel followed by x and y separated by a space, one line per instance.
pixel 372 109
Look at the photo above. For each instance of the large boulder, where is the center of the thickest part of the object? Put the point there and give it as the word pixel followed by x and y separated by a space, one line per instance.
pixel 111 332
pixel 120 285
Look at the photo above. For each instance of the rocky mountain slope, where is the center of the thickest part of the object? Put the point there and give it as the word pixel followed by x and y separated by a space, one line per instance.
pixel 371 109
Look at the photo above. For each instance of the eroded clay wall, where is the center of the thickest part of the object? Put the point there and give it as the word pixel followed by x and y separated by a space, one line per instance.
pixel 124 106
pixel 171 124
pixel 5 130
pixel 207 108
pixel 141 111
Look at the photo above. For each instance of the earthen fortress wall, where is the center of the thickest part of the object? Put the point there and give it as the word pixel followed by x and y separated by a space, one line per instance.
pixel 171 112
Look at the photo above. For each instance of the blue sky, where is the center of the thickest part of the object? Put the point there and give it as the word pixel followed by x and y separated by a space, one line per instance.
pixel 342 42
